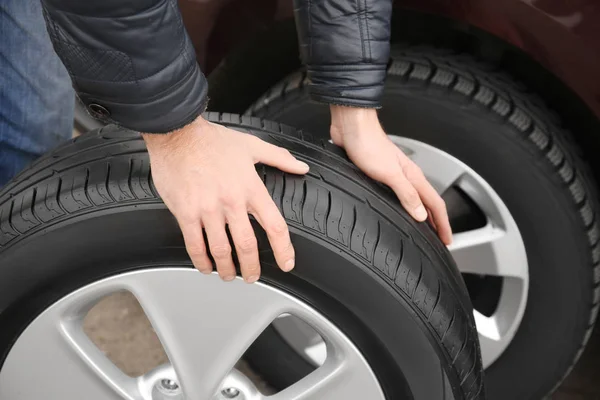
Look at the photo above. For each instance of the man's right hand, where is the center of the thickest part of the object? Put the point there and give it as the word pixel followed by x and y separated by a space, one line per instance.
pixel 205 174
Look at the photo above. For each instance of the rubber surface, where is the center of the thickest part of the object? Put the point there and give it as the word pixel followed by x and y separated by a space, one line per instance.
pixel 89 210
pixel 506 134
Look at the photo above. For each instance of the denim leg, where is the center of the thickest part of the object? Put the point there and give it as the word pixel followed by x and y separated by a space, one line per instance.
pixel 36 97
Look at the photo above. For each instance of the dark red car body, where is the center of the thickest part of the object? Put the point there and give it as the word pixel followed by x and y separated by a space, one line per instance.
pixel 561 37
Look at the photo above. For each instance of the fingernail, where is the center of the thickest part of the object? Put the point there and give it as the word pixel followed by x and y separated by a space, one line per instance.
pixel 228 278
pixel 421 213
pixel 252 278
pixel 206 271
pixel 289 265
pixel 305 165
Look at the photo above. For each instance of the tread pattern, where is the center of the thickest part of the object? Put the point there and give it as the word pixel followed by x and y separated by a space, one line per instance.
pixel 506 100
pixel 104 169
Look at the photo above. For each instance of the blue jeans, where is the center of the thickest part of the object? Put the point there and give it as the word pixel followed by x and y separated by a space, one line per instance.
pixel 36 97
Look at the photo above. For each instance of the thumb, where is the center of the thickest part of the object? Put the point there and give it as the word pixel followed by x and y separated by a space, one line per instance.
pixel 279 157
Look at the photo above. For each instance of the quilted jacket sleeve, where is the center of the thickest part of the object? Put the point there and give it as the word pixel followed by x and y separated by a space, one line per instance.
pixel 131 62
pixel 345 45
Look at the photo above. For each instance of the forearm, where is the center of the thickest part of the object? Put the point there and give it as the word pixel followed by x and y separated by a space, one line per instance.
pixel 345 45
pixel 132 58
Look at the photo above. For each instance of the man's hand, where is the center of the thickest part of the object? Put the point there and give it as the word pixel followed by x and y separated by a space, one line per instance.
pixel 359 132
pixel 206 176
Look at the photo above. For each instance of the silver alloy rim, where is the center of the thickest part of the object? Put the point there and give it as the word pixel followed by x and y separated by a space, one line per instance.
pixel 204 324
pixel 497 249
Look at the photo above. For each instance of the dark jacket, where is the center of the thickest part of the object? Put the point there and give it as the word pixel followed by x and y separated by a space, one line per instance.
pixel 132 62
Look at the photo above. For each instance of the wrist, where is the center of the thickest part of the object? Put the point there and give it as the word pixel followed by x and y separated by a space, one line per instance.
pixel 351 121
pixel 154 140
pixel 341 115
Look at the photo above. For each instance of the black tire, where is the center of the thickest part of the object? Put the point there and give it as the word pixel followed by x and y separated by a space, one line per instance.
pixel 59 217
pixel 512 140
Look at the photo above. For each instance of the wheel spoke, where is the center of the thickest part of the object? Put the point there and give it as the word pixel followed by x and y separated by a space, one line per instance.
pixel 497 330
pixel 302 337
pixel 344 375
pixel 61 362
pixel 488 251
pixel 488 348
pixel 491 339
pixel 205 324
pixel 487 326
pixel 442 172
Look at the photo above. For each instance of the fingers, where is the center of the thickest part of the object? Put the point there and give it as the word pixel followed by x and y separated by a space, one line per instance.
pixel 429 198
pixel 408 196
pixel 195 246
pixel 219 245
pixel 277 157
pixel 269 217
pixel 436 206
pixel 245 244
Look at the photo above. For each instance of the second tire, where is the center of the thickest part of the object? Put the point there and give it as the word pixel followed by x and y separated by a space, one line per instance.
pixel 522 204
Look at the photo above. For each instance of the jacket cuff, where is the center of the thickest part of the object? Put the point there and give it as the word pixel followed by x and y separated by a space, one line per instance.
pixel 359 85
pixel 172 109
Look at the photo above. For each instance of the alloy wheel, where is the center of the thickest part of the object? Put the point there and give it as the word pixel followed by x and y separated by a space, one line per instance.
pixel 204 324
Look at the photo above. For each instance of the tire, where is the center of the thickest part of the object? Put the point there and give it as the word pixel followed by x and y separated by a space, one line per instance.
pixel 507 136
pixel 416 330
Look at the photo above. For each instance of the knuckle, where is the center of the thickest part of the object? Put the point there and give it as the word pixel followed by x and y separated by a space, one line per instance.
pixel 411 197
pixel 436 203
pixel 287 250
pixel 187 218
pixel 209 208
pixel 232 200
pixel 285 152
pixel 278 228
pixel 412 171
pixel 221 251
pixel 247 245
